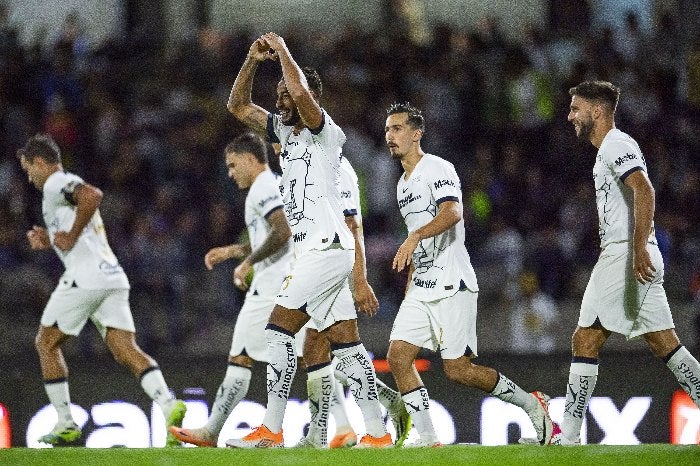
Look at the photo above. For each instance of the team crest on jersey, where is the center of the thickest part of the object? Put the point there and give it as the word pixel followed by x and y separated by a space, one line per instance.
pixel 286 281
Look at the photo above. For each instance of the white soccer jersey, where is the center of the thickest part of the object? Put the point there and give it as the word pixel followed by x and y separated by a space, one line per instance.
pixel 442 264
pixel 264 198
pixel 349 189
pixel 90 264
pixel 618 157
pixel 310 183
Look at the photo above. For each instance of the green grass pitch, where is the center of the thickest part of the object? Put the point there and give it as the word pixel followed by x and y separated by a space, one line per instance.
pixel 638 455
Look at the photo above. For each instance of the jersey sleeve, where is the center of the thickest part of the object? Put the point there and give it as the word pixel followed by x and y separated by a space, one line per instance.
pixel 64 185
pixel 623 159
pixel 329 134
pixel 349 191
pixel 444 183
pixel 266 198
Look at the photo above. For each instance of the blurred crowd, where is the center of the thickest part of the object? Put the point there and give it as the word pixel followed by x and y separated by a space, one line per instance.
pixel 147 123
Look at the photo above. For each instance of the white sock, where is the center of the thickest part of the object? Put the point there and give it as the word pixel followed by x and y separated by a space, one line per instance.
pixel 338 410
pixel 231 391
pixel 320 391
pixel 281 368
pixel 155 387
pixel 687 371
pixel 582 378
pixel 387 396
pixel 59 397
pixel 356 365
pixel 418 406
pixel 508 391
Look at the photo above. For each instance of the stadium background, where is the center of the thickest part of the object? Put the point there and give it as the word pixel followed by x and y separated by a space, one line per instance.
pixel 135 92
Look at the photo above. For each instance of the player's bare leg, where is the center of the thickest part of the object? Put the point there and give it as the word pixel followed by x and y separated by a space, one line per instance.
pixel 356 365
pixel 284 323
pixel 666 345
pixel 54 371
pixel 122 345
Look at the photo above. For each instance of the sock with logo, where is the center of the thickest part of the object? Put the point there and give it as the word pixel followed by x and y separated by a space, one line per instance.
pixel 320 392
pixel 59 396
pixel 418 406
pixel 281 368
pixel 232 390
pixel 508 391
pixel 687 371
pixel 155 387
pixel 583 375
pixel 357 367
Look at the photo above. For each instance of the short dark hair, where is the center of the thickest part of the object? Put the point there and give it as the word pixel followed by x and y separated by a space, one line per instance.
pixel 313 79
pixel 415 116
pixel 250 143
pixel 40 145
pixel 598 91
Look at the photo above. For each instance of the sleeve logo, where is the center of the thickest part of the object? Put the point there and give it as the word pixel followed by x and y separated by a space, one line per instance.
pixel 440 183
pixel 625 158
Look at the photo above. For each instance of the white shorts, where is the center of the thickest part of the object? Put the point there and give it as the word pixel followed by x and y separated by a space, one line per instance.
pixel 318 285
pixel 447 325
pixel 622 304
pixel 249 332
pixel 69 308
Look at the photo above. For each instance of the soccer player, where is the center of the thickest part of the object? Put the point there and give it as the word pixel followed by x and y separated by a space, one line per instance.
pixel 327 394
pixel 93 286
pixel 269 254
pixel 625 292
pixel 439 309
pixel 316 289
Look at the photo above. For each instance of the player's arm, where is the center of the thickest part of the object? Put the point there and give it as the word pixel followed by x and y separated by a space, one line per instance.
pixel 223 253
pixel 449 214
pixel 240 102
pixel 365 299
pixel 87 199
pixel 644 205
pixel 295 81
pixel 278 237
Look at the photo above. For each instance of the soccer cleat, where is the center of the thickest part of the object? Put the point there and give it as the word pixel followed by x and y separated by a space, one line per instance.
pixel 62 435
pixel 200 437
pixel 174 419
pixel 544 427
pixel 305 442
pixel 367 441
pixel 344 440
pixel 260 437
pixel 401 420
pixel 423 443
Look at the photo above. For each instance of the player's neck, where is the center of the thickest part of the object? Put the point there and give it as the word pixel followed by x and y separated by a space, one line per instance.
pixel 410 161
pixel 600 133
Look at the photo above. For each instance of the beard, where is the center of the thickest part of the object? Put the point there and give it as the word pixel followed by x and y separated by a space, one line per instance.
pixel 585 130
pixel 293 118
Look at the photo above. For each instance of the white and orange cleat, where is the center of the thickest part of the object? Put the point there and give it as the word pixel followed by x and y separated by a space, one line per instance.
pixel 344 440
pixel 541 421
pixel 367 441
pixel 260 437
pixel 200 437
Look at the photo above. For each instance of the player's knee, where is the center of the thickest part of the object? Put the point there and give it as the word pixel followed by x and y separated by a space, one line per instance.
pixel 585 344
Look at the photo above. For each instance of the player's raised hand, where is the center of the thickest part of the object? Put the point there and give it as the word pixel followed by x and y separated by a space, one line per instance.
pixel 275 42
pixel 260 50
pixel 38 238
pixel 403 256
pixel 642 266
pixel 64 240
pixel 365 299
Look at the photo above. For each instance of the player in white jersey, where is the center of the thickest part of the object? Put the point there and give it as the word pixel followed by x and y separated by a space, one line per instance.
pixel 269 254
pixel 439 309
pixel 316 289
pixel 93 286
pixel 328 395
pixel 625 292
